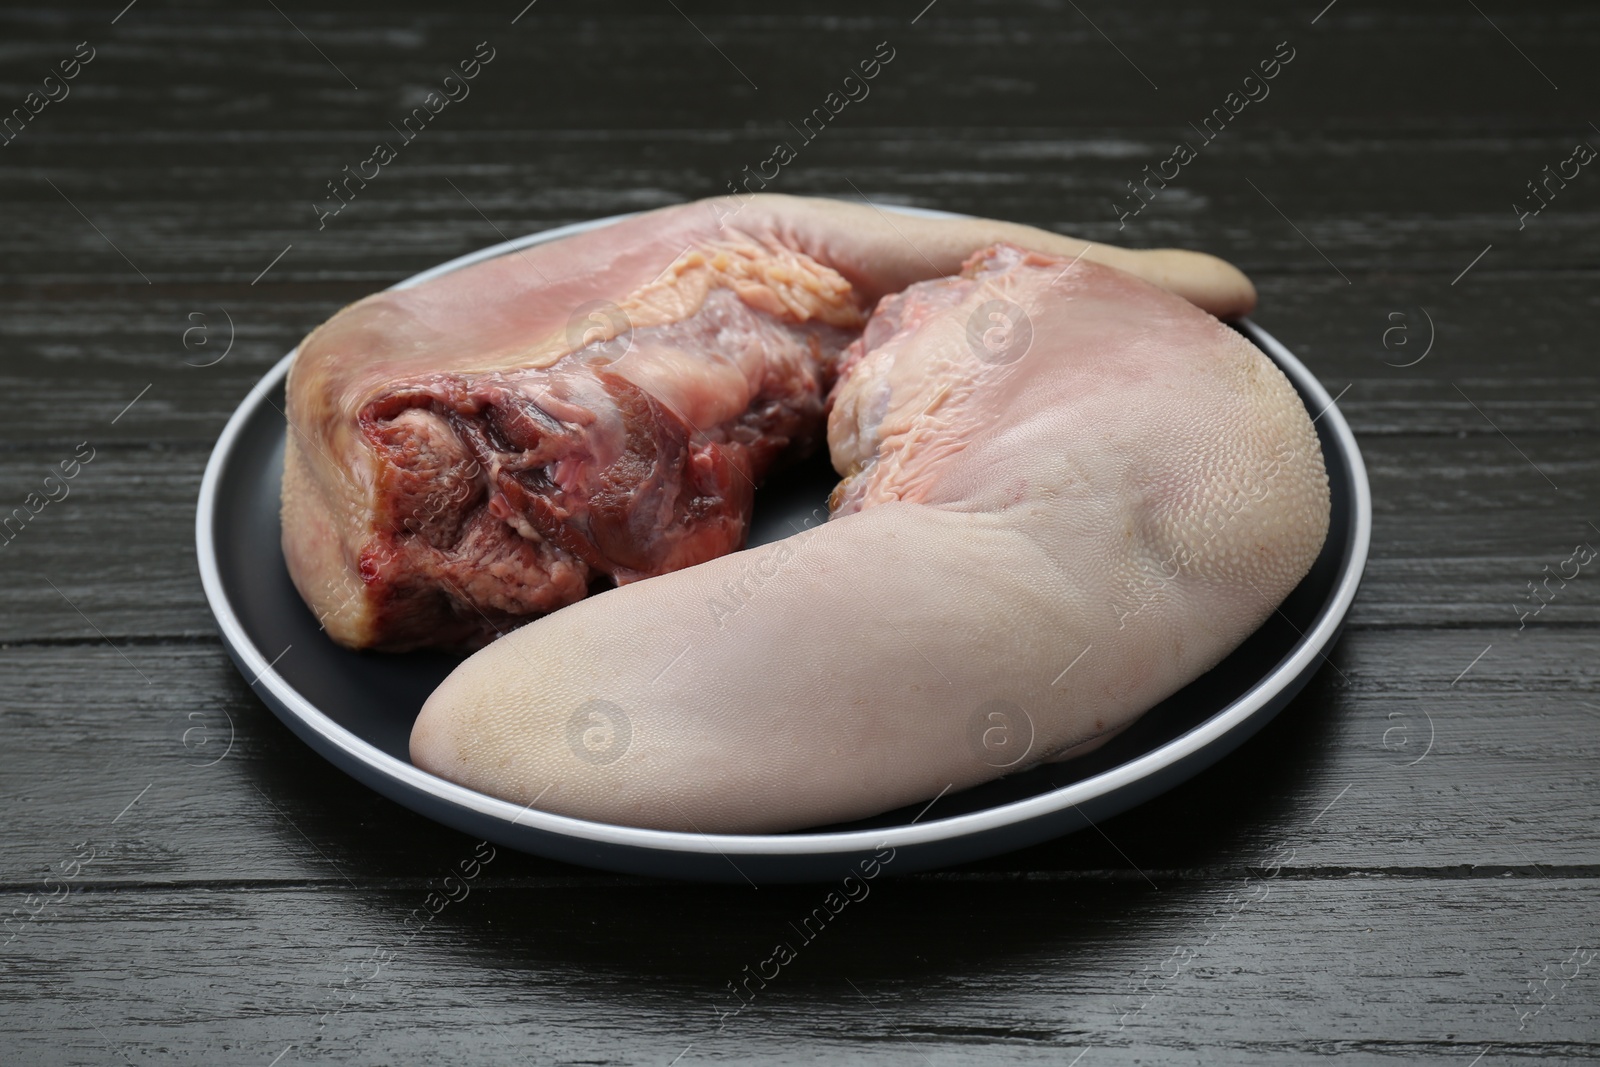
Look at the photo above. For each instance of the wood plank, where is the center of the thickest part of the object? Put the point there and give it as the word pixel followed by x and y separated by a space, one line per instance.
pixel 252 69
pixel 260 197
pixel 1257 970
pixel 1383 766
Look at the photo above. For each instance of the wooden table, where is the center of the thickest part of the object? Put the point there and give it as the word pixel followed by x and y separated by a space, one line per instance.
pixel 1403 866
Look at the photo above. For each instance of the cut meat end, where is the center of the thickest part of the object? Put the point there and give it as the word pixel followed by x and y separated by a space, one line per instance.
pixel 486 583
pixel 505 495
pixel 431 480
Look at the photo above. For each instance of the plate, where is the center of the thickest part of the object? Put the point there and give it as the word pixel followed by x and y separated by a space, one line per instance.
pixel 356 708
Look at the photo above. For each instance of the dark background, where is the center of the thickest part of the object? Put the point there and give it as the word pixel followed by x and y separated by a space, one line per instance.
pixel 1403 866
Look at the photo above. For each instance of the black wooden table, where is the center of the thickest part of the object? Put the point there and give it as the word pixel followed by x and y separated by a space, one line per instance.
pixel 1403 866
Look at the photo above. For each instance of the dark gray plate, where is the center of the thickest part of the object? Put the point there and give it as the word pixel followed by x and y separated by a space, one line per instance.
pixel 356 708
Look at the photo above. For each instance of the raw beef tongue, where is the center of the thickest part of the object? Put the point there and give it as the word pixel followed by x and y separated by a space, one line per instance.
pixel 489 446
pixel 1067 494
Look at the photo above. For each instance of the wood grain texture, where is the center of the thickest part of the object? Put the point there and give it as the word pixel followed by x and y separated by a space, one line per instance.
pixel 1332 207
pixel 1243 970
pixel 1403 866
